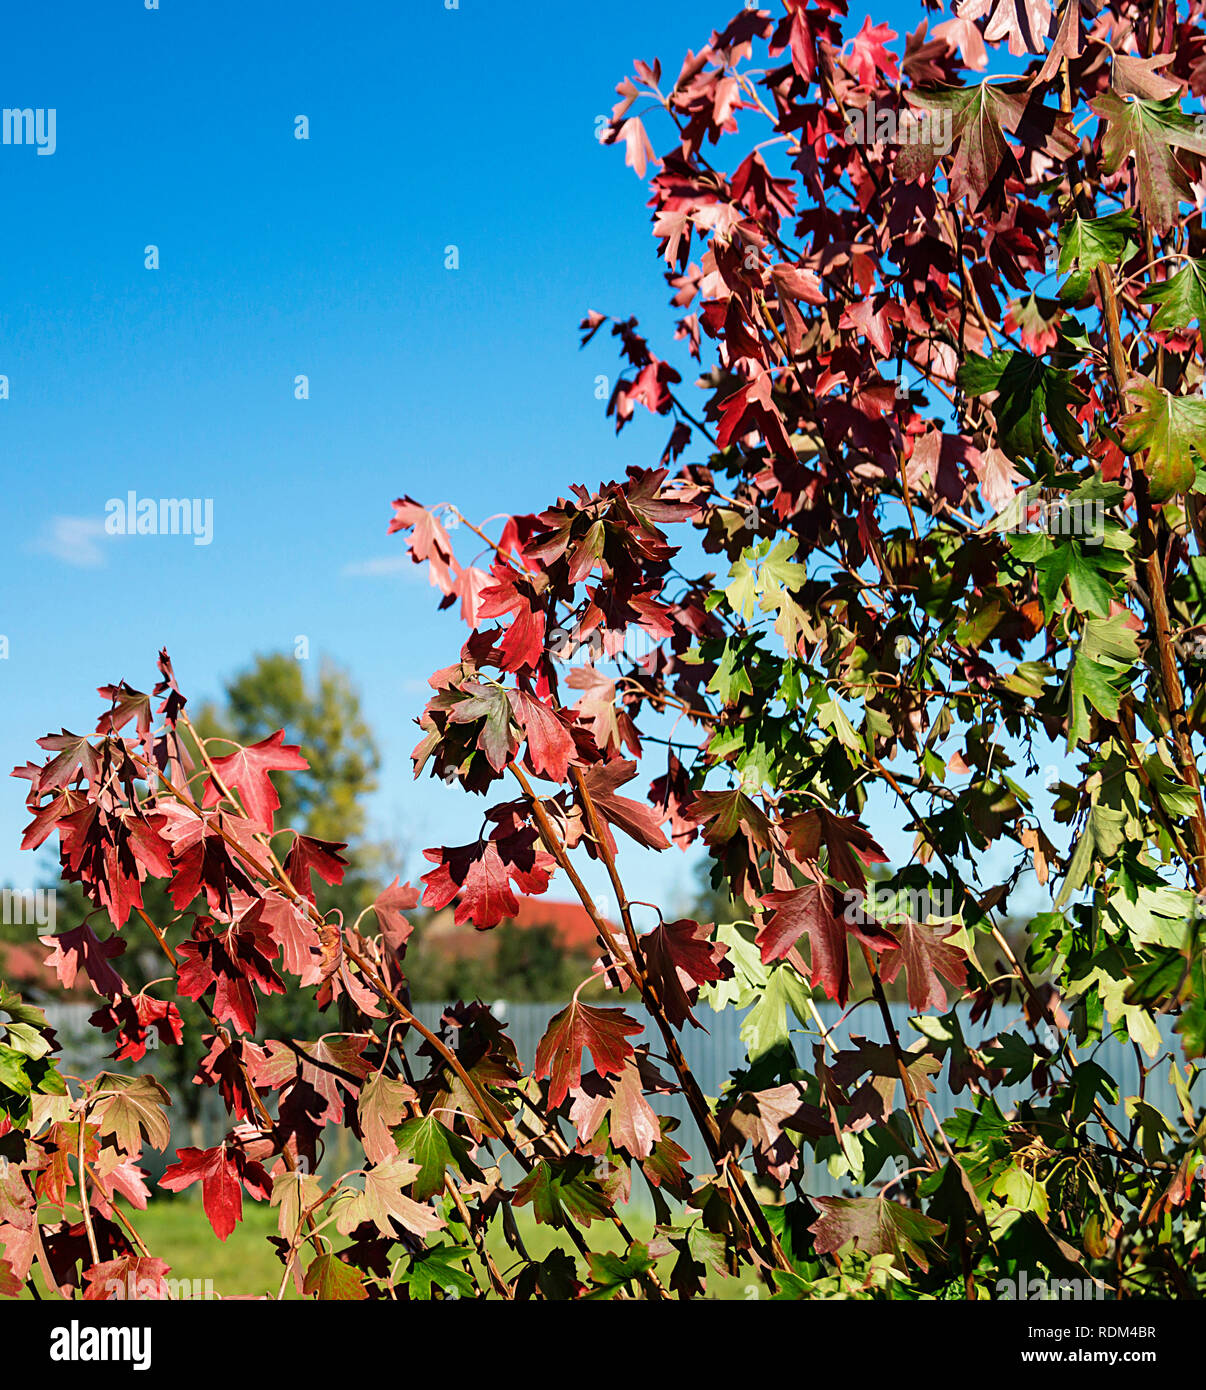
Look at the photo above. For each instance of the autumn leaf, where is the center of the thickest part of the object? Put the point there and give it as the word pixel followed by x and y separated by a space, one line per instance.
pixel 635 818
pixel 1151 130
pixel 246 771
pixel 1168 433
pixel 680 957
pixel 223 1172
pixel 812 911
pixel 550 747
pixel 579 1026
pixel 875 1226
pixel 331 1279
pixel 928 959
pixel 129 1107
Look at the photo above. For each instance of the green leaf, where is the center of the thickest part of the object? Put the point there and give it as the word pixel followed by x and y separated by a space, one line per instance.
pixel 1087 242
pixel 1182 298
pixel 1150 130
pixel 765 1028
pixel 611 1273
pixel 441 1267
pixel 434 1148
pixel 561 1188
pixel 1028 391
pixel 1168 431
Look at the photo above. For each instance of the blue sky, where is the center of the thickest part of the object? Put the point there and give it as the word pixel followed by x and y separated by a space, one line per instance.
pixel 325 257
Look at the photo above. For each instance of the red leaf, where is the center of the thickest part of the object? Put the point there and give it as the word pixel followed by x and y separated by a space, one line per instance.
pixel 131 1276
pixel 550 747
pixel 223 1173
pixel 322 857
pixel 681 956
pixel 634 818
pixel 603 1031
pixel 925 957
pixel 812 911
pixel 389 906
pixel 246 771
pixel 81 949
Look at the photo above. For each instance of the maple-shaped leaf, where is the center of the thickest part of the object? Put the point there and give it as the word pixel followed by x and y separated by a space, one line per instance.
pixel 849 845
pixel 928 959
pixel 131 1276
pixel 813 911
pixel 620 1102
pixel 434 1148
pixel 762 1117
pixel 439 1267
pixel 1151 130
pixel 233 961
pixel 559 1054
pixel 871 61
pixel 1167 433
pixel 331 1279
pixel 81 949
pixel 679 958
pixel 223 1173
pixel 488 704
pixel 550 747
pixel 246 771
pixel 75 755
pixel 611 1273
pixel 429 541
pixel 1182 298
pixel 480 879
pixel 390 905
pixel 382 1105
pixel 728 814
pixel 310 856
pixel 975 121
pixel 1028 391
pixel 383 1202
pixel 876 1226
pixel 129 1107
pixel 127 704
pixel 563 1188
pixel 1025 24
pixel 1088 242
pixel 635 818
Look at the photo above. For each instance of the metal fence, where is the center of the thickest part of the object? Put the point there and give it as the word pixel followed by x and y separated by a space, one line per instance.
pixel 713 1051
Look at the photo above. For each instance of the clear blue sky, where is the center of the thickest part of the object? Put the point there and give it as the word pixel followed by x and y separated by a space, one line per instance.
pixel 324 257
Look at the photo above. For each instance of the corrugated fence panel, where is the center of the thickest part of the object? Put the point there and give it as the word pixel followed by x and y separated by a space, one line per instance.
pixel 713 1051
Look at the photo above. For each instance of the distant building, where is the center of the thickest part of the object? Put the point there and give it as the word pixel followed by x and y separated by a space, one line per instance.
pixel 570 923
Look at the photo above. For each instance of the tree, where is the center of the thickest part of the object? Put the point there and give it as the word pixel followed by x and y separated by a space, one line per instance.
pixel 924 581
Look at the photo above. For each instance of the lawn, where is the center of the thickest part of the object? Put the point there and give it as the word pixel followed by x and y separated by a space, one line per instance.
pixel 245 1265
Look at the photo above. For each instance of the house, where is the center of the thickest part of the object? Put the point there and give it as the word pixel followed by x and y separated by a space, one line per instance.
pixel 571 925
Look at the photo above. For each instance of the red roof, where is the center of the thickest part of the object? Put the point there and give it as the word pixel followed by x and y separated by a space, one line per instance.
pixel 570 922
pixel 22 966
pixel 572 927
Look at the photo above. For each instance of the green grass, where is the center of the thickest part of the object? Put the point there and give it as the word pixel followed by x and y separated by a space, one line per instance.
pixel 246 1265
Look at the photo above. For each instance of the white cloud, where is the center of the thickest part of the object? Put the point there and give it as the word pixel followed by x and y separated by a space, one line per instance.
pixel 75 540
pixel 382 565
